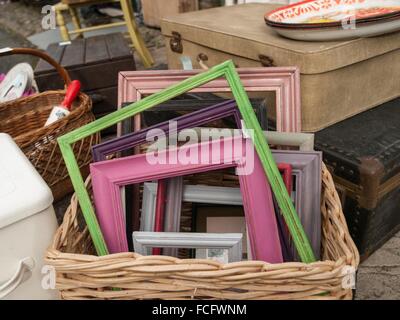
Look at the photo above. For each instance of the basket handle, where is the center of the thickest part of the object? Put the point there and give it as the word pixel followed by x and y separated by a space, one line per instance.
pixel 41 54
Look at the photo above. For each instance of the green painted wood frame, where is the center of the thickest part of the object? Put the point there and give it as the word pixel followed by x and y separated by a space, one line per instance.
pixel 227 70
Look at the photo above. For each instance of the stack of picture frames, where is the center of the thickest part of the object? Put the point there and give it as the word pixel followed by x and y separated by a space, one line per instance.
pixel 273 212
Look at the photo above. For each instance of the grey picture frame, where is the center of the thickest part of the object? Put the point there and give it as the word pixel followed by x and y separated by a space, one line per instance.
pixel 306 168
pixel 144 241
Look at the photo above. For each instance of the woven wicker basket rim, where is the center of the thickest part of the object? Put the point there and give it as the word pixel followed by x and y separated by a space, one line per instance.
pixel 54 249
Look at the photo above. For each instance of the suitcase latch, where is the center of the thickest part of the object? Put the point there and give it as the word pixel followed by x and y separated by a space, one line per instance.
pixel 176 42
pixel 266 61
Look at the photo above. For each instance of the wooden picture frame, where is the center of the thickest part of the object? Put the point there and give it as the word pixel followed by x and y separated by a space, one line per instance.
pixel 307 168
pixel 191 193
pixel 227 218
pixel 198 194
pixel 214 112
pixel 144 241
pixel 286 170
pixel 175 108
pixel 284 81
pixel 300 140
pixel 109 176
pixel 196 118
pixel 199 117
pixel 227 70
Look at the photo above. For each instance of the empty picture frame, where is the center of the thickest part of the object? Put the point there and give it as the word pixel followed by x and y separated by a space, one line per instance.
pixel 217 218
pixel 300 140
pixel 144 241
pixel 286 170
pixel 109 176
pixel 198 194
pixel 284 81
pixel 175 108
pixel 307 168
pixel 191 193
pixel 196 118
pixel 199 117
pixel 203 194
pixel 227 70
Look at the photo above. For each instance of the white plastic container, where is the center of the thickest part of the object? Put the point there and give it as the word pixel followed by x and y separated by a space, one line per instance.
pixel 27 225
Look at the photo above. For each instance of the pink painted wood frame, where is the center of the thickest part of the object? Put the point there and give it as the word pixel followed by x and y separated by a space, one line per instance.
pixel 108 177
pixel 286 170
pixel 160 210
pixel 284 81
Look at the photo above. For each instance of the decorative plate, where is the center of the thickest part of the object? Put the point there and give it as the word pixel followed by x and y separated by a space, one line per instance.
pixel 363 30
pixel 16 82
pixel 332 12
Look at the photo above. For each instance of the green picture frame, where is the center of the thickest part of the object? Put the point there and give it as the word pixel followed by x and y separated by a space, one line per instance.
pixel 227 70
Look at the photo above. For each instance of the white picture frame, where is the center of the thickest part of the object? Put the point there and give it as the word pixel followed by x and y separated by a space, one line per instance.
pixel 191 193
pixel 143 242
pixel 300 140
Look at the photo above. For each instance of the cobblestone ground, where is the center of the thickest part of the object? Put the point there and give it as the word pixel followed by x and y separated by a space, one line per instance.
pixel 378 277
pixel 23 19
pixel 9 38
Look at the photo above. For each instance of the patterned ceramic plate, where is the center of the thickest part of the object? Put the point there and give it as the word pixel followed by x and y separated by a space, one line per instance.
pixel 324 13
pixel 16 82
pixel 361 30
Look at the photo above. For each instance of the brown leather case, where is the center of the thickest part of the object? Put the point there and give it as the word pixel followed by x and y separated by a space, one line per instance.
pixel 363 154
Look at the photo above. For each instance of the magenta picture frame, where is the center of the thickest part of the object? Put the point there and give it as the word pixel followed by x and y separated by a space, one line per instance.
pixel 197 118
pixel 284 81
pixel 108 177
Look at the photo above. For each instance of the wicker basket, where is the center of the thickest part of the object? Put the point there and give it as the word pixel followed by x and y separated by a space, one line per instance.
pixel 24 120
pixel 82 275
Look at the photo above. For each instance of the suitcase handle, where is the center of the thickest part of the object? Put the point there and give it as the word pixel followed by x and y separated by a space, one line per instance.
pixel 266 61
pixel 201 59
pixel 25 266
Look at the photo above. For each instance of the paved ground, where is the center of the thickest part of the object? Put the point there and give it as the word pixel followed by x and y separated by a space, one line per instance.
pixel 378 277
pixel 9 38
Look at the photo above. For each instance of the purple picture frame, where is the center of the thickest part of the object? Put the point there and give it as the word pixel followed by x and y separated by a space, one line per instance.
pixel 108 177
pixel 307 168
pixel 131 140
pixel 193 119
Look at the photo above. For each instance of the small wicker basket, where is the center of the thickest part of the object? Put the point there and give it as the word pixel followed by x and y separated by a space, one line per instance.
pixel 24 120
pixel 83 275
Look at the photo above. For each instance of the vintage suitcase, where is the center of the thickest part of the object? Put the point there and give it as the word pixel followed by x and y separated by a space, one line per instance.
pixel 334 75
pixel 94 61
pixel 155 10
pixel 363 154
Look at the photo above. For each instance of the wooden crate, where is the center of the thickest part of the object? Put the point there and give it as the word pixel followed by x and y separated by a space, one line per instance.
pixel 155 10
pixel 95 62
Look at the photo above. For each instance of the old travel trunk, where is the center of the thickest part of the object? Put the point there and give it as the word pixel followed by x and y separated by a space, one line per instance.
pixel 95 62
pixel 335 76
pixel 363 154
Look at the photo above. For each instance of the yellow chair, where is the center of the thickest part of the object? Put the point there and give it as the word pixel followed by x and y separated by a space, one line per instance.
pixel 126 6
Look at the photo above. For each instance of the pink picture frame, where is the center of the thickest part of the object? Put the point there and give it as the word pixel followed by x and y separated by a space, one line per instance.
pixel 284 81
pixel 108 177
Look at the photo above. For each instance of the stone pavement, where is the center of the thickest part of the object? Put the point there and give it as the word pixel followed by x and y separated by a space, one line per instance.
pixel 11 39
pixel 379 276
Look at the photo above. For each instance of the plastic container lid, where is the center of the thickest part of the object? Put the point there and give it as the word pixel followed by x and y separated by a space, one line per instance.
pixel 23 192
